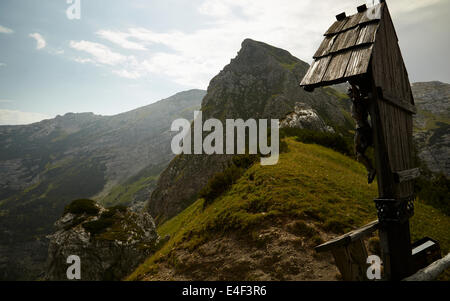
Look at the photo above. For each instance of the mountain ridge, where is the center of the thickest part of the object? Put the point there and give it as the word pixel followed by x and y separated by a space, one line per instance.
pixel 261 82
pixel 45 165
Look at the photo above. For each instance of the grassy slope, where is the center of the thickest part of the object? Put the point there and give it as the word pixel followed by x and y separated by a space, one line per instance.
pixel 123 194
pixel 310 183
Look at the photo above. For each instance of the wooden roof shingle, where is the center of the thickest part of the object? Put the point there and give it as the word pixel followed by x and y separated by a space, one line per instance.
pixel 346 49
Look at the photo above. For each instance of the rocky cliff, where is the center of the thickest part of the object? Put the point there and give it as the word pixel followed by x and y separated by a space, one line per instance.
pixel 261 82
pixel 109 242
pixel 432 125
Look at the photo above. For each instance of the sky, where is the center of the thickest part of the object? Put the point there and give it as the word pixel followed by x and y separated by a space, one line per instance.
pixel 109 57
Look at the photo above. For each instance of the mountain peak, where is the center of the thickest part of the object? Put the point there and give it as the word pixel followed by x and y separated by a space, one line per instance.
pixel 251 47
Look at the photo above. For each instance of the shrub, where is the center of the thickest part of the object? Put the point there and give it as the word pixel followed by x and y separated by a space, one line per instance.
pixel 98 226
pixel 110 212
pixel 335 226
pixel 300 228
pixel 220 182
pixel 329 140
pixel 435 192
pixel 81 206
pixel 334 141
pixel 244 161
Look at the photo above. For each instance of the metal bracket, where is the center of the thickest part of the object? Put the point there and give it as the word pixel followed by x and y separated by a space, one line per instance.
pixel 392 210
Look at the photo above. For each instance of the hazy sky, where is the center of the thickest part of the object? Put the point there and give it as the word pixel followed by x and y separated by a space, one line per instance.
pixel 123 54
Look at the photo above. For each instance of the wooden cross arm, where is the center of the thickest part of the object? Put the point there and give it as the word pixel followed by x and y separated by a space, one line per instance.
pixel 406 175
pixel 348 238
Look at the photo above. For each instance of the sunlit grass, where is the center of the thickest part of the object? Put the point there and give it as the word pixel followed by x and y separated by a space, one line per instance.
pixel 310 182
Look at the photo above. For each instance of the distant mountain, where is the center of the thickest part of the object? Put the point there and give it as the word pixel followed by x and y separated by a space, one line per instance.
pixel 432 125
pixel 45 165
pixel 262 81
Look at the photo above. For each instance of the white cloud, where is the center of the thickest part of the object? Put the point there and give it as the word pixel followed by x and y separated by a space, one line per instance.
pixel 6 101
pixel 123 65
pixel 11 117
pixel 121 39
pixel 40 41
pixel 6 30
pixel 100 53
pixel 83 60
pixel 57 51
pixel 192 58
pixel 128 74
pixel 214 8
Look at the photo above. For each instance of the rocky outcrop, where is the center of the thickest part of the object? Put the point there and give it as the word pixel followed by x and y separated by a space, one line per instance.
pixel 432 125
pixel 305 117
pixel 261 82
pixel 109 242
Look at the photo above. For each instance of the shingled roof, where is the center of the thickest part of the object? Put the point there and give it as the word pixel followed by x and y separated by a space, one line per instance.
pixel 347 48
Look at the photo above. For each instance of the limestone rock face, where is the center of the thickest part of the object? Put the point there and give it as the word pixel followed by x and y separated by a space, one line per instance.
pixel 110 244
pixel 305 117
pixel 432 125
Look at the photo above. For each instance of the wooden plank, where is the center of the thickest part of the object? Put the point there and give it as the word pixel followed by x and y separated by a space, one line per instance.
pixel 336 27
pixel 335 243
pixel 401 104
pixel 406 175
pixel 367 33
pixel 337 66
pixel 359 61
pixel 388 67
pixel 342 261
pixel 344 40
pixel 358 258
pixel 353 21
pixel 346 239
pixel 316 71
pixel 364 231
pixel 325 47
pixel 351 261
pixel 384 175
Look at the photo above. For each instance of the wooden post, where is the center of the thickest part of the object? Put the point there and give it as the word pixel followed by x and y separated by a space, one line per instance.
pixel 393 213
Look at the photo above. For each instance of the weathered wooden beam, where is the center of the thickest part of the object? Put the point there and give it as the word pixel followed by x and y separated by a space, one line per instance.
pixel 348 238
pixel 393 100
pixel 351 260
pixel 431 272
pixel 406 175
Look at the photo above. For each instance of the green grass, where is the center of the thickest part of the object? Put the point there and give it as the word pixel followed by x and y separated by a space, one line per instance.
pixel 432 121
pixel 310 183
pixel 123 194
pixel 289 66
